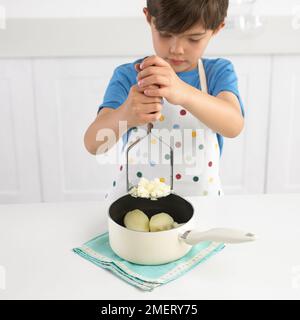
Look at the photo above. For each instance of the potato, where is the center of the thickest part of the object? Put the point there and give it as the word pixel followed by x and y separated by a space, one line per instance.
pixel 150 189
pixel 177 225
pixel 136 220
pixel 160 222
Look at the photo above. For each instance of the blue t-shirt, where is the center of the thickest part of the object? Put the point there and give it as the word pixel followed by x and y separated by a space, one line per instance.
pixel 220 75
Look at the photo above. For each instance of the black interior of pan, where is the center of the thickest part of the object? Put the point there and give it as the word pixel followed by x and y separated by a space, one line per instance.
pixel 178 208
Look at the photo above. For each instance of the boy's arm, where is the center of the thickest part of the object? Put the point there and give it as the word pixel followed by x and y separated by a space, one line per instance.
pixel 222 113
pixel 108 119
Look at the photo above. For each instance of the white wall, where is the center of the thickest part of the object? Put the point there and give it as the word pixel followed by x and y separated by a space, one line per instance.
pixel 113 8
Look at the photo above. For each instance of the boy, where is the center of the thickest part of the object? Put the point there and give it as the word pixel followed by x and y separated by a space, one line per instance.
pixel 177 89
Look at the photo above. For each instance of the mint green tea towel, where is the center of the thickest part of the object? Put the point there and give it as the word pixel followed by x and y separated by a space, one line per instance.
pixel 99 252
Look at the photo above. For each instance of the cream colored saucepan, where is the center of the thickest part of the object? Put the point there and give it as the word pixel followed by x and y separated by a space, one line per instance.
pixel 153 248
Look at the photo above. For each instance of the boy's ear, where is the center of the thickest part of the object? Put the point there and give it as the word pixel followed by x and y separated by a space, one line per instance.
pixel 220 27
pixel 147 14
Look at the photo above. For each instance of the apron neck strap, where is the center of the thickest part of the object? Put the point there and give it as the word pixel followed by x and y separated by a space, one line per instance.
pixel 202 76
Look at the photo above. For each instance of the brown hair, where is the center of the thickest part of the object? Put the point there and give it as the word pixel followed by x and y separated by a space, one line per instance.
pixel 177 16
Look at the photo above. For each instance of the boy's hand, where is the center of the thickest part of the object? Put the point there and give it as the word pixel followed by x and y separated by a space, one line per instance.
pixel 140 109
pixel 156 71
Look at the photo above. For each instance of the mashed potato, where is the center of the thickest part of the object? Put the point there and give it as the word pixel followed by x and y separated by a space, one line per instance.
pixel 150 189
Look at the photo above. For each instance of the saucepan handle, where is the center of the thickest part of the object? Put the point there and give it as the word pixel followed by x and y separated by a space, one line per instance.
pixel 224 235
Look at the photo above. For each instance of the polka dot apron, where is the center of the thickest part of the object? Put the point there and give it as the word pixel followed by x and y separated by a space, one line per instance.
pixel 195 148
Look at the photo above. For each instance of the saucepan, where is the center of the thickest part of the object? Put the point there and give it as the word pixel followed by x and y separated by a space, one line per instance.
pixel 160 247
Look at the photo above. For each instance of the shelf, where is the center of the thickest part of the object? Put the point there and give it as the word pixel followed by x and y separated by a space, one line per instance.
pixel 76 37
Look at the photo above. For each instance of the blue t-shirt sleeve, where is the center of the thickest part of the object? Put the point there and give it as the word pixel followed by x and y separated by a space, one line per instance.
pixel 117 90
pixel 224 78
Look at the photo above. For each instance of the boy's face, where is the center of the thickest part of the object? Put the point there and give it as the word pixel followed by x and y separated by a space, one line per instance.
pixel 187 47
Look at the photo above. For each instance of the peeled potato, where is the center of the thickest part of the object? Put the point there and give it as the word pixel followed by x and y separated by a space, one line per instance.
pixel 177 225
pixel 160 222
pixel 136 220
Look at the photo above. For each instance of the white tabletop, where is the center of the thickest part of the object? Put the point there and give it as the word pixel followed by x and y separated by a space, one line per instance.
pixel 37 262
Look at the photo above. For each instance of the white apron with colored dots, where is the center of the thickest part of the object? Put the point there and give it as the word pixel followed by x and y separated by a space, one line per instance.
pixel 195 147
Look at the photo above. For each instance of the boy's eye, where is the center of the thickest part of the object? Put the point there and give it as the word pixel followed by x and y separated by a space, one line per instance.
pixel 165 35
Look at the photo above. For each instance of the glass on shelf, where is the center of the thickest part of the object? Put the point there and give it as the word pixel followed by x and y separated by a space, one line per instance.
pixel 242 17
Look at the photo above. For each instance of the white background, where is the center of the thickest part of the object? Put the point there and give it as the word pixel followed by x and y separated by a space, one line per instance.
pixel 112 8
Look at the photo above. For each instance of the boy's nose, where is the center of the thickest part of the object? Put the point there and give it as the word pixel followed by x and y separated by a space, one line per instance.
pixel 177 52
pixel 176 48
